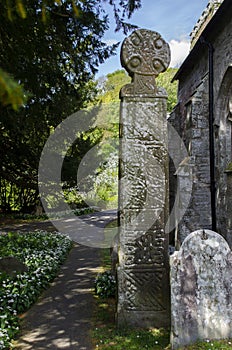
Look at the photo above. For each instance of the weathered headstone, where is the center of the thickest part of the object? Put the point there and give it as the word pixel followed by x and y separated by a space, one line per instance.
pixel 143 271
pixel 201 289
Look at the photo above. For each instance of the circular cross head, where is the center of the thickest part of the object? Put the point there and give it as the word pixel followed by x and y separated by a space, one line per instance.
pixel 145 52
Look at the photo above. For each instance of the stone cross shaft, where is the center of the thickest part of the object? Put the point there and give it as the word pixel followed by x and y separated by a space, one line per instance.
pixel 143 270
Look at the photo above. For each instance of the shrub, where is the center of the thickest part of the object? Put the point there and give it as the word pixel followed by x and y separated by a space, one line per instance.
pixel 105 285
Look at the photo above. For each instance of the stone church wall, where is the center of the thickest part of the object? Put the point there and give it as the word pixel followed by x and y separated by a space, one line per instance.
pixel 190 118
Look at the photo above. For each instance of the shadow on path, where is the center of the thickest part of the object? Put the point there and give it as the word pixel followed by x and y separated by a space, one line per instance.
pixel 61 319
pixel 94 220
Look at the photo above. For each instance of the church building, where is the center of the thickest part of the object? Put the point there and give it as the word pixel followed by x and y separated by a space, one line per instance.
pixel 203 120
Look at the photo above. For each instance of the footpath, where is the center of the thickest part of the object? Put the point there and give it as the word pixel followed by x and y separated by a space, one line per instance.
pixel 62 317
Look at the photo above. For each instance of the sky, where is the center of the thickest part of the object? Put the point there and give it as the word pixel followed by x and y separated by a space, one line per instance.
pixel 173 19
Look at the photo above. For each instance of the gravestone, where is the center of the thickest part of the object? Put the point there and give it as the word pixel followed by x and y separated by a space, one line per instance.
pixel 201 289
pixel 143 268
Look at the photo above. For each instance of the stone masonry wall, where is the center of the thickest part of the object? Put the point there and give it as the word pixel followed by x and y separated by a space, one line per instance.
pixel 193 95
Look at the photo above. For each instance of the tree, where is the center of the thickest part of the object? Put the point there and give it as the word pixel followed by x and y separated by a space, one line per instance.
pixel 111 85
pixel 18 8
pixel 52 49
pixel 105 178
pixel 11 93
pixel 165 80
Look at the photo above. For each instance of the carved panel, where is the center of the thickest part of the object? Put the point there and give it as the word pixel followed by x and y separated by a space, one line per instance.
pixel 144 290
pixel 144 55
pixel 143 270
pixel 149 249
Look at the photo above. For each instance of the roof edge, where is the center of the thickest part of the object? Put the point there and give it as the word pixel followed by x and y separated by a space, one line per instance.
pixel 210 28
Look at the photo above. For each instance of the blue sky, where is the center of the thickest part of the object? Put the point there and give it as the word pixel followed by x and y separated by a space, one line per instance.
pixel 173 19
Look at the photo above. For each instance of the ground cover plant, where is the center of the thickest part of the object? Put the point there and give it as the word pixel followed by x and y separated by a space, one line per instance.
pixel 42 253
pixel 105 285
pixel 106 335
pixel 210 345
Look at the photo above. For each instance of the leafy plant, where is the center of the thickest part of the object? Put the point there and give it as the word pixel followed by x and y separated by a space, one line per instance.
pixel 11 93
pixel 42 253
pixel 49 53
pixel 105 285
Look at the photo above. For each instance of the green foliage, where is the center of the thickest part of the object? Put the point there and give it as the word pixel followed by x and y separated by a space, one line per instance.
pixel 11 93
pixel 105 179
pixel 104 189
pixel 111 85
pixel 210 345
pixel 105 285
pixel 125 339
pixel 55 62
pixel 17 7
pixel 83 143
pixel 164 80
pixel 105 257
pixel 42 253
pixel 52 50
pixel 96 181
pixel 121 12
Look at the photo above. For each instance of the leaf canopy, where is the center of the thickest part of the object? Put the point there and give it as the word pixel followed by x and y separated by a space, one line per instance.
pixel 50 49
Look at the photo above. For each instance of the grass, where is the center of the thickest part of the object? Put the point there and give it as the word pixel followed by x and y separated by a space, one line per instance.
pixel 210 345
pixel 106 336
pixel 105 259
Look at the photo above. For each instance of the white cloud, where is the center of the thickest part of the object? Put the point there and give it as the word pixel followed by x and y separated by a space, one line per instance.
pixel 110 42
pixel 179 51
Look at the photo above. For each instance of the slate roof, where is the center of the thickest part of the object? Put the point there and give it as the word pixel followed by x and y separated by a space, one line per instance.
pixel 216 24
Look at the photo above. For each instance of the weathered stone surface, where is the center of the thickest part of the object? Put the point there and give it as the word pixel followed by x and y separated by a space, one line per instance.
pixel 143 273
pixel 191 117
pixel 144 55
pixel 201 289
pixel 229 206
pixel 12 266
pixel 198 212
